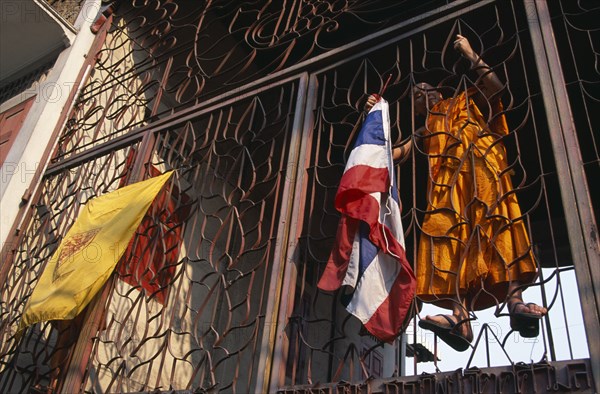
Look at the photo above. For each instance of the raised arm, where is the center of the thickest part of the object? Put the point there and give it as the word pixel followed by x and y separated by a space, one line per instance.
pixel 487 80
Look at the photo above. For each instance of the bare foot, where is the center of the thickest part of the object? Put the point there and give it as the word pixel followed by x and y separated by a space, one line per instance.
pixel 525 318
pixel 462 326
pixel 516 305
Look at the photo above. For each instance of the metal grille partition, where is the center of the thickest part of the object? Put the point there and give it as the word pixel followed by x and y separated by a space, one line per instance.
pixel 255 106
pixel 501 34
pixel 207 299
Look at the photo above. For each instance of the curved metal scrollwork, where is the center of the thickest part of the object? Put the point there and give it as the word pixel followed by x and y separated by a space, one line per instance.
pixel 161 56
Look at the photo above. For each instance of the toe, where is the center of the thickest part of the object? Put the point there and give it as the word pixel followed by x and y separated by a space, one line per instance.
pixel 537 309
pixel 439 320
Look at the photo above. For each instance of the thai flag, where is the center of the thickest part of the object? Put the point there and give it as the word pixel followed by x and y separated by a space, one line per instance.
pixel 369 254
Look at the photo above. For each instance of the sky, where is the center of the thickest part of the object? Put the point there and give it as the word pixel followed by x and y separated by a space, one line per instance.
pixel 563 321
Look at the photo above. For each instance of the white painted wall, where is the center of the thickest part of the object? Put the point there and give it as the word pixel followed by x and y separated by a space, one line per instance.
pixel 25 155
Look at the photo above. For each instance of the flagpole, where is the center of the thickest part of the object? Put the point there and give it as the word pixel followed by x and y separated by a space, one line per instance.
pixel 81 353
pixel 385 85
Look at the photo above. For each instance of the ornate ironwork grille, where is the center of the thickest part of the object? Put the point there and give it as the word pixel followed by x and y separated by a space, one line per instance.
pixel 255 106
pixel 574 23
pixel 427 55
pixel 206 297
pixel 29 360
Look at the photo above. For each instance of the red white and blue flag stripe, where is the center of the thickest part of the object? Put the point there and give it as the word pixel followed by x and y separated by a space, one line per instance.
pixel 369 254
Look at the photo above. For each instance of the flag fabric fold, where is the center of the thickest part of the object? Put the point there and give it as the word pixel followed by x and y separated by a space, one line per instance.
pixel 89 252
pixel 369 254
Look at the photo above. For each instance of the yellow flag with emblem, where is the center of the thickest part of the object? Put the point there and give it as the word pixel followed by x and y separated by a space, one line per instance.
pixel 88 254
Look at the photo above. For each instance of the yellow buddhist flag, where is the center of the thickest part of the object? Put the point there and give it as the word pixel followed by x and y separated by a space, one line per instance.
pixel 88 254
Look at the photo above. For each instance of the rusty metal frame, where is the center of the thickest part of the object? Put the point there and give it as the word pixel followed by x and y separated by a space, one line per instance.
pixel 574 376
pixel 582 230
pixel 362 53
pixel 278 293
pixel 345 54
pixel 317 65
pixel 74 380
pixel 304 135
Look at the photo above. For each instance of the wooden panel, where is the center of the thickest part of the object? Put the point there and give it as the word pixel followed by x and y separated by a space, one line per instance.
pixel 10 124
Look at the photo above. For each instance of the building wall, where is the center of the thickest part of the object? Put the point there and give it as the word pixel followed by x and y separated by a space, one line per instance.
pixel 51 93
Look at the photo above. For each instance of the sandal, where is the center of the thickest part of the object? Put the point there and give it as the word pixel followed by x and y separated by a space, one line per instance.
pixel 448 334
pixel 527 324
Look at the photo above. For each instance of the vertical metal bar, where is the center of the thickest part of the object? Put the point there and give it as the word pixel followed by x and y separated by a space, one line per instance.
pixel 581 225
pixel 487 345
pixel 548 325
pixel 74 380
pixel 144 156
pixel 273 344
pixel 297 164
pixel 435 354
pixel 162 87
pixel 402 360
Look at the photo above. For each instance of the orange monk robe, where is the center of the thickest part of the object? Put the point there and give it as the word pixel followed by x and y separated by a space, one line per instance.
pixel 473 240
